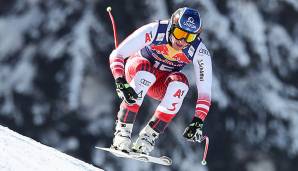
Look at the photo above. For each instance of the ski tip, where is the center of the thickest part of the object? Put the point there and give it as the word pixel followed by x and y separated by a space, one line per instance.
pixel 167 160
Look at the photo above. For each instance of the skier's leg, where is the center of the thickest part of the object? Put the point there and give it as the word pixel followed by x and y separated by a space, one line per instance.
pixel 139 74
pixel 176 88
pixel 141 79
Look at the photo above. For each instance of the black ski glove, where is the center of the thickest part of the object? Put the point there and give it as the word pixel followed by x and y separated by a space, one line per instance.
pixel 125 91
pixel 194 130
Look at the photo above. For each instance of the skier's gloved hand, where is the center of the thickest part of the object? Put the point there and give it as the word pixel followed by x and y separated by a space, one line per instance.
pixel 194 130
pixel 125 91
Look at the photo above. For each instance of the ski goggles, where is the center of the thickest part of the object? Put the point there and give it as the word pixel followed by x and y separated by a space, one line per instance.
pixel 181 34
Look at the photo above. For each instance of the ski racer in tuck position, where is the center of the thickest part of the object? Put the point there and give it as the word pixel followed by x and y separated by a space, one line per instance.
pixel 155 54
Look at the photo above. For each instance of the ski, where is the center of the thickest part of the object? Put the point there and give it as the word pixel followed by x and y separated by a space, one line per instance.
pixel 163 160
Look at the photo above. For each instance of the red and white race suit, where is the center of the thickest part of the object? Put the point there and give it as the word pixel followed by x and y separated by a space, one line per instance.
pixel 153 67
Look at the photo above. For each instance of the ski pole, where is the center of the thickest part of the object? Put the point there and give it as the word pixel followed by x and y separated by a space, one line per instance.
pixel 204 162
pixel 109 9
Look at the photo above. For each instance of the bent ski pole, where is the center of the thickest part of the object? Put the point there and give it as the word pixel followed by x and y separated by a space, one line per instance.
pixel 109 9
pixel 200 140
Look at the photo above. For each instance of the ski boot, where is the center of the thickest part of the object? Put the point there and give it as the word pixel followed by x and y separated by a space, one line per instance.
pixel 146 140
pixel 122 138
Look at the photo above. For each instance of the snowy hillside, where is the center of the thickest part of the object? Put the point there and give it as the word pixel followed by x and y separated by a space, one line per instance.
pixel 19 153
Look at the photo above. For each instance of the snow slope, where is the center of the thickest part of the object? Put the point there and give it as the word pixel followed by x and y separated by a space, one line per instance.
pixel 19 153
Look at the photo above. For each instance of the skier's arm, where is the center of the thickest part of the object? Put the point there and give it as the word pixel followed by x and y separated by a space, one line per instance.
pixel 203 73
pixel 134 42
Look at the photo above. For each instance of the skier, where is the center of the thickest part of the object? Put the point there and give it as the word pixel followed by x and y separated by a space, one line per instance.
pixel 149 61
